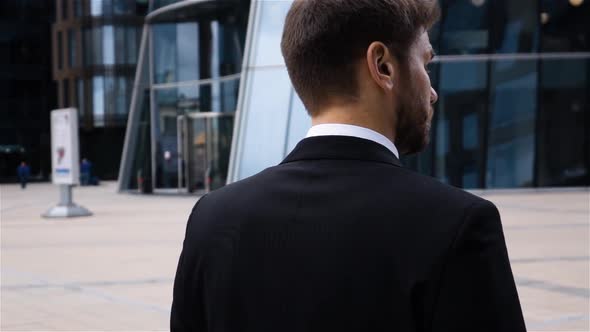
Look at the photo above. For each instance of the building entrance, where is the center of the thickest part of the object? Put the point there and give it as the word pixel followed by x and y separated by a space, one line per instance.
pixel 204 143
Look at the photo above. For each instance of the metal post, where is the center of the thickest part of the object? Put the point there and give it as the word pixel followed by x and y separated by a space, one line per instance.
pixel 66 207
pixel 65 195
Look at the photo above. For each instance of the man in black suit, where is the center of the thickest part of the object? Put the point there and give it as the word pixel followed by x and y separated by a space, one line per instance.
pixel 340 236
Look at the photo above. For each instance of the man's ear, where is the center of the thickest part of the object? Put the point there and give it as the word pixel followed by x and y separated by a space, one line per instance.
pixel 381 66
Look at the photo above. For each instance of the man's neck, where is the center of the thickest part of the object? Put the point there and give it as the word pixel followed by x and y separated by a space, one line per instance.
pixel 356 116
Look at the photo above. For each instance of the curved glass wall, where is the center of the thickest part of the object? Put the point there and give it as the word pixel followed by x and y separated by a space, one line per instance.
pixel 513 79
pixel 192 66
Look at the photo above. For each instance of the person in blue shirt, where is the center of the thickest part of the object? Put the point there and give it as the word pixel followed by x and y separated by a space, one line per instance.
pixel 23 171
pixel 85 172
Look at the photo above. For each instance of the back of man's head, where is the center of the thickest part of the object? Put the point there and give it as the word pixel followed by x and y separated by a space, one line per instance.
pixel 323 39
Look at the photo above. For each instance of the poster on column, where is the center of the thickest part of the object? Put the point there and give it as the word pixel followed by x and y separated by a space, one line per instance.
pixel 64 146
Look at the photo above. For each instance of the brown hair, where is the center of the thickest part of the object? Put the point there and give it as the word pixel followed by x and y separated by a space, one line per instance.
pixel 323 39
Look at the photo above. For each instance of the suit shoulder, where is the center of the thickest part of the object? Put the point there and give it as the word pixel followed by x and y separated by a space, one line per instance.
pixel 433 190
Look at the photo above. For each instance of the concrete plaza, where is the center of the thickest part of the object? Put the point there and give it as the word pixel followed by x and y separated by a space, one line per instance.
pixel 114 271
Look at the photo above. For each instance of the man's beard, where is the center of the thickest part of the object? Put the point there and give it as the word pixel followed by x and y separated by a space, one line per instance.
pixel 413 125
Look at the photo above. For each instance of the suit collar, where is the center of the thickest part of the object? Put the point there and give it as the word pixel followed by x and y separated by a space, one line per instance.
pixel 341 148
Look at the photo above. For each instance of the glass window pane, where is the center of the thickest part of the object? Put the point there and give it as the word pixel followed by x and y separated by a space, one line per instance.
pixel 87 49
pixel 108 45
pixel 94 46
pixel 107 7
pixel 122 7
pixel 121 45
pixel 96 7
pixel 169 104
pixel 165 54
pixel 78 10
pixel 81 99
pixel 140 153
pixel 98 100
pixel 121 97
pixel 564 130
pixel 109 98
pixel 132 42
pixel 221 141
pixel 461 106
pixel 187 44
pixel 265 121
pixel 464 27
pixel 231 47
pixel 60 50
pixel 267 49
pixel 511 137
pixel 72 61
pixel 515 26
pixel 229 95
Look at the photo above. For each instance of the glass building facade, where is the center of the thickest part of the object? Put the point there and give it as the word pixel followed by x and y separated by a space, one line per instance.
pixel 95 48
pixel 186 89
pixel 513 79
pixel 27 90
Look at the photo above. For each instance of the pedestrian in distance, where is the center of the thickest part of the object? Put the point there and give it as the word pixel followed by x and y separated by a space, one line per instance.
pixel 340 236
pixel 85 172
pixel 23 172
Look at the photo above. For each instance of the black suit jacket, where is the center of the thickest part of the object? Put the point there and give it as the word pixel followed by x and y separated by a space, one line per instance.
pixel 339 237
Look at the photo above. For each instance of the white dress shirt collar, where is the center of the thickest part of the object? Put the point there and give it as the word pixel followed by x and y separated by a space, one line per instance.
pixel 338 129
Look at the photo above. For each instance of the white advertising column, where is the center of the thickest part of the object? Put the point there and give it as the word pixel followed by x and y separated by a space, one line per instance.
pixel 65 162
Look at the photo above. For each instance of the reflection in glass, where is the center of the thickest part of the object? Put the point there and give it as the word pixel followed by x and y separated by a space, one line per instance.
pixel 141 152
pixel 564 28
pixel 267 46
pixel 265 120
pixel 205 152
pixel 564 128
pixel 164 37
pixel 122 7
pixel 220 142
pixel 461 106
pixel 515 26
pixel 167 109
pixel 464 27
pixel 156 4
pixel 229 95
pixel 512 124
pixel 190 51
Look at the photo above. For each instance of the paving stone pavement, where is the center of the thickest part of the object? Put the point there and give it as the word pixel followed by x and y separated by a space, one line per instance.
pixel 114 271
